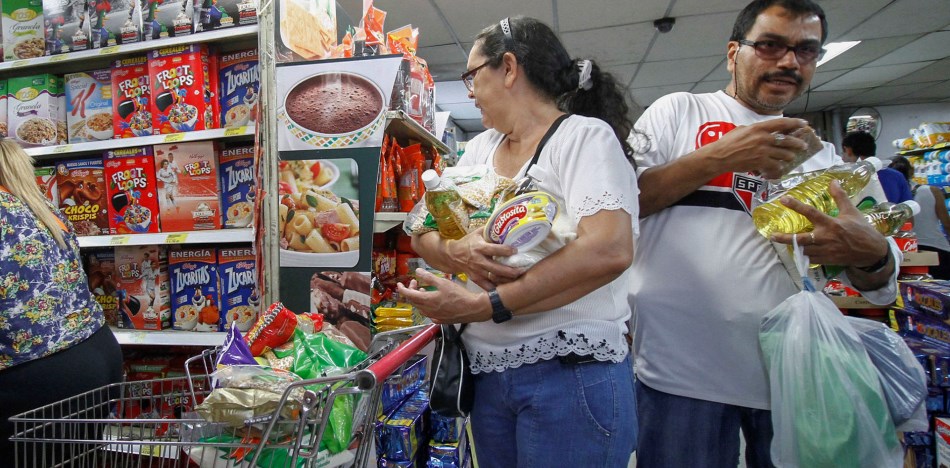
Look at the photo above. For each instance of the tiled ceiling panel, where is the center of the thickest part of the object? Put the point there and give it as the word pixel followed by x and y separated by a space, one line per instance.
pixel 870 77
pixel 821 77
pixel 622 73
pixel 467 18
pixel 574 15
pixel 844 15
pixel 611 46
pixel 818 100
pixel 674 72
pixel 879 95
pixel 937 71
pixel 931 91
pixel 682 8
pixel 451 92
pixel 902 17
pixel 867 51
pixel 933 46
pixel 692 36
pixel 462 111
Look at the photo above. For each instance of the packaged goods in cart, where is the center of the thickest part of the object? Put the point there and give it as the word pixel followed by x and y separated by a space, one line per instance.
pixel 240 294
pixel 82 195
pixel 194 289
pixel 398 388
pixel 3 108
pixel 100 269
pixel 167 18
pixel 184 90
pixel 131 101
pixel 217 14
pixel 67 26
pixel 402 434
pixel 188 188
pixel 132 190
pixel 238 186
pixel 46 180
pixel 274 327
pixel 240 82
pixel 143 287
pixel 33 110
pixel 89 106
pixel 115 22
pixel 23 29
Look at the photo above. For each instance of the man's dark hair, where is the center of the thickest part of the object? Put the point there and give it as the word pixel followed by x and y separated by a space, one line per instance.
pixel 902 165
pixel 861 143
pixel 747 16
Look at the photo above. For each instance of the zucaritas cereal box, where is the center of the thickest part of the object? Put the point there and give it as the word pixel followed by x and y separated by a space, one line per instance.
pixel 82 195
pixel 46 180
pixel 240 295
pixel 194 294
pixel 67 26
pixel 23 29
pixel 132 191
pixel 100 268
pixel 115 22
pixel 188 191
pixel 240 82
pixel 184 89
pixel 89 106
pixel 131 98
pixel 33 110
pixel 238 186
pixel 3 108
pixel 142 287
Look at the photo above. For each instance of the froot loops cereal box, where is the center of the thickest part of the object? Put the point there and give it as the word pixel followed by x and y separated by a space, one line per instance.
pixel 238 186
pixel 184 89
pixel 131 98
pixel 194 289
pixel 240 295
pixel 131 189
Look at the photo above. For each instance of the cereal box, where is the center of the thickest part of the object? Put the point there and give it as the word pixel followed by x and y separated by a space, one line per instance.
pixel 33 113
pixel 217 14
pixel 131 190
pixel 240 295
pixel 238 186
pixel 67 26
pixel 240 82
pixel 184 91
pixel 115 22
pixel 46 179
pixel 100 269
pixel 188 186
pixel 23 29
pixel 131 98
pixel 194 294
pixel 142 287
pixel 3 108
pixel 82 195
pixel 89 106
pixel 168 18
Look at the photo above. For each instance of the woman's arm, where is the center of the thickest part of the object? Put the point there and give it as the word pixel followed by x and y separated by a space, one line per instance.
pixel 940 207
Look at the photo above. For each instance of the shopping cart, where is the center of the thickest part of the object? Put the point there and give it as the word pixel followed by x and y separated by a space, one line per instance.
pixel 149 423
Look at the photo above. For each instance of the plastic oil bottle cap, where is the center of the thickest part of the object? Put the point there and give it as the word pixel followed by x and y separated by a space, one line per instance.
pixel 431 179
pixel 914 206
pixel 877 163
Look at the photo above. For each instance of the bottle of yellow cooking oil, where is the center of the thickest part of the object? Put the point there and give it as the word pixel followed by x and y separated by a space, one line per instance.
pixel 774 217
pixel 445 205
pixel 887 218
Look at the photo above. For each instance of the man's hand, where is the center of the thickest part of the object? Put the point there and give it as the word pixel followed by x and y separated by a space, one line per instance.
pixel 765 148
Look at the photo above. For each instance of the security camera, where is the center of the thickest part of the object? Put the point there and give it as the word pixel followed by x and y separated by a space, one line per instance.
pixel 664 25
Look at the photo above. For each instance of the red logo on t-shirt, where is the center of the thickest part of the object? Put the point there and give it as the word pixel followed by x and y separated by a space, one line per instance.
pixel 710 132
pixel 744 186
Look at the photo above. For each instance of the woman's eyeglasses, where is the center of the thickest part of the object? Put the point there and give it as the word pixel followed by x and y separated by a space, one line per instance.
pixel 774 50
pixel 469 77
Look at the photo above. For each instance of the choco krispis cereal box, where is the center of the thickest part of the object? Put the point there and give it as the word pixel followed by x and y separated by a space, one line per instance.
pixel 131 98
pixel 184 89
pixel 240 295
pixel 132 191
pixel 82 195
pixel 188 186
pixel 194 294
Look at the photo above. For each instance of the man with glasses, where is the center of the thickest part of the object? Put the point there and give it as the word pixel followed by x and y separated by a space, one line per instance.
pixel 703 277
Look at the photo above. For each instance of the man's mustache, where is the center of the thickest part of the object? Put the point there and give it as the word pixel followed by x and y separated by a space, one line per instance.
pixel 784 74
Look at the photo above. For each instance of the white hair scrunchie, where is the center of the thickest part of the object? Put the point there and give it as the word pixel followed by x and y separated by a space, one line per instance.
pixel 583 81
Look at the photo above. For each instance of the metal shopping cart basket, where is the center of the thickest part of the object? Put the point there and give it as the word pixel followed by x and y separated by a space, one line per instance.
pixel 90 430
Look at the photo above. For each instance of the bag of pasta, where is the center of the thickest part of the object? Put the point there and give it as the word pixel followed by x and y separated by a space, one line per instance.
pixel 480 189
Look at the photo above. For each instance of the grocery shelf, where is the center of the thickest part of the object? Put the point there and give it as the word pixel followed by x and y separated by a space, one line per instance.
pixel 402 126
pixel 850 302
pixel 167 337
pixel 221 236
pixel 920 151
pixel 386 221
pixel 217 134
pixel 924 258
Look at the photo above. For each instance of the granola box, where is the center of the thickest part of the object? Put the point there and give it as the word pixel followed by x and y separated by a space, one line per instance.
pixel 23 29
pixel 100 269
pixel 168 18
pixel 238 186
pixel 194 289
pixel 131 98
pixel 240 84
pixel 131 190
pixel 33 110
pixel 142 287
pixel 240 295
pixel 217 14
pixel 89 106
pixel 46 180
pixel 67 26
pixel 3 108
pixel 184 91
pixel 188 188
pixel 82 195
pixel 115 22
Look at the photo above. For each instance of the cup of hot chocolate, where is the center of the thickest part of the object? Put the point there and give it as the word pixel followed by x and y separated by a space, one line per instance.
pixel 333 109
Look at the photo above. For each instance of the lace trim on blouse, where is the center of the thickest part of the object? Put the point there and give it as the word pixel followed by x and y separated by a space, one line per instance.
pixel 607 201
pixel 544 348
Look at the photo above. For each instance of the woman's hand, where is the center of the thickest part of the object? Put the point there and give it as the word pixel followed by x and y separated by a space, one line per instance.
pixel 449 303
pixel 474 256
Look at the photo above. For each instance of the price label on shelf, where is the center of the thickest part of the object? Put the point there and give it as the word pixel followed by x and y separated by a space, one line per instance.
pixel 178 238
pixel 58 58
pixel 62 148
pixel 108 50
pixel 20 63
pixel 172 138
pixel 119 240
pixel 235 131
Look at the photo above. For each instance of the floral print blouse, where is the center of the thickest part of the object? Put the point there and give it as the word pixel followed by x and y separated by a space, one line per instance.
pixel 45 303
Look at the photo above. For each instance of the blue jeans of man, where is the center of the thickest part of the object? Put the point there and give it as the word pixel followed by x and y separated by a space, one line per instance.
pixel 552 414
pixel 678 431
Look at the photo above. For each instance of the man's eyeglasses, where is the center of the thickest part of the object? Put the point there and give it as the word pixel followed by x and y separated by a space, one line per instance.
pixel 469 77
pixel 774 50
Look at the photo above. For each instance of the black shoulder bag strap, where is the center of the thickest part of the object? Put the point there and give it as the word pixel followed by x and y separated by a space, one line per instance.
pixel 526 183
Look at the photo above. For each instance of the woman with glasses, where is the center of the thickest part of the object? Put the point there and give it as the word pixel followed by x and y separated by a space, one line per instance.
pixel 548 346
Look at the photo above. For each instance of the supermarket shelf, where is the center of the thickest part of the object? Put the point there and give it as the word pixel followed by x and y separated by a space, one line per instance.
pixel 843 302
pixel 222 236
pixel 51 152
pixel 167 337
pixel 387 221
pixel 114 52
pixel 920 259
pixel 402 126
pixel 920 151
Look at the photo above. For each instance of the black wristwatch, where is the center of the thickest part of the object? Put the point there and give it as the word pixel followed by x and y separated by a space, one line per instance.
pixel 499 313
pixel 878 265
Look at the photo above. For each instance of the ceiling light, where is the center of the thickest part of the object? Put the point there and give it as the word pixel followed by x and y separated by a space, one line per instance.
pixel 834 49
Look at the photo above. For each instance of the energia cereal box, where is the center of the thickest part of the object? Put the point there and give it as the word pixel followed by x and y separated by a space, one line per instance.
pixel 3 108
pixel 131 98
pixel 240 295
pixel 115 22
pixel 216 14
pixel 240 82
pixel 67 26
pixel 238 186
pixel 82 195
pixel 194 294
pixel 100 268
pixel 188 186
pixel 89 106
pixel 142 287
pixel 46 180
pixel 132 191
pixel 184 91
pixel 33 110
pixel 23 29
pixel 168 18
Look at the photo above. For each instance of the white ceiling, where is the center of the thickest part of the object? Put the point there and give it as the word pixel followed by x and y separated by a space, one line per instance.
pixel 904 57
